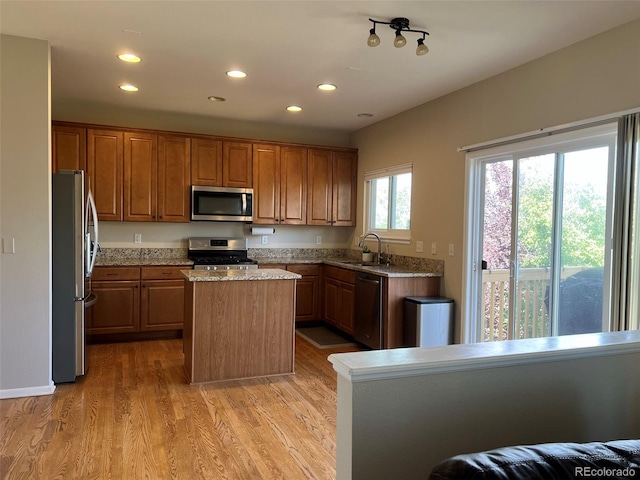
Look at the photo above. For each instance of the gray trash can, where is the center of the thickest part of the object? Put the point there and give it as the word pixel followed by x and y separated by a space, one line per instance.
pixel 428 321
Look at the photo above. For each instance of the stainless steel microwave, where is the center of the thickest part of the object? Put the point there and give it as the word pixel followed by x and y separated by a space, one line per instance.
pixel 222 204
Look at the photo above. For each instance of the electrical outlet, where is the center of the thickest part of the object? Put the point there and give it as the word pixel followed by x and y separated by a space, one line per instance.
pixel 318 239
pixel 433 248
pixel 451 249
pixel 265 239
pixel 137 238
pixel 419 246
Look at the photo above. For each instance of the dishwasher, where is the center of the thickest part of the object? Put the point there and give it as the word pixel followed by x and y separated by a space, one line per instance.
pixel 367 322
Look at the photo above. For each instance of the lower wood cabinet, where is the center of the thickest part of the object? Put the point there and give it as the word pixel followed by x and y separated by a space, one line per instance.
pixel 339 295
pixel 307 290
pixel 136 299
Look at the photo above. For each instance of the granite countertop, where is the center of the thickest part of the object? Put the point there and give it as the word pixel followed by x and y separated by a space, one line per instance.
pixel 143 262
pixel 382 270
pixel 226 275
pixel 351 264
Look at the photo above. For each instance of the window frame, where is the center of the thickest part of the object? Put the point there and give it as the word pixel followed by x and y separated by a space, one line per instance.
pixel 388 235
pixel 473 199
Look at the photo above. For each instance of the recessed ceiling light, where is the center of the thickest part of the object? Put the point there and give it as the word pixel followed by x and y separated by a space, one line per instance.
pixel 236 74
pixel 217 99
pixel 365 115
pixel 129 57
pixel 129 88
pixel 327 87
pixel 294 108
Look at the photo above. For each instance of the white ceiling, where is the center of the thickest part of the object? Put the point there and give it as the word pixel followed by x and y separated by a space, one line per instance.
pixel 288 47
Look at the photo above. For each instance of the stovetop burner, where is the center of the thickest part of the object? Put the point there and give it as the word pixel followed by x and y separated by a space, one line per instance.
pixel 215 253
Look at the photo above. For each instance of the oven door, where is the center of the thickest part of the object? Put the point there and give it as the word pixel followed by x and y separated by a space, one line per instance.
pixel 221 204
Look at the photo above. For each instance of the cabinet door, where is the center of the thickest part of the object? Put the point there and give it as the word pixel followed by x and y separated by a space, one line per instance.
pixel 237 164
pixel 320 184
pixel 117 309
pixel 345 171
pixel 69 148
pixel 266 184
pixel 345 314
pixel 140 177
pixel 293 186
pixel 162 305
pixel 174 179
pixel 104 166
pixel 331 307
pixel 307 299
pixel 206 162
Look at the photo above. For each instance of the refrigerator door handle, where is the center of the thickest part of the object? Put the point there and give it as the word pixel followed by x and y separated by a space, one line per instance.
pixel 91 247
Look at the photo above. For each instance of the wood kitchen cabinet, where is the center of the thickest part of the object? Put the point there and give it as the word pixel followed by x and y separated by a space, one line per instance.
pixel 331 198
pixel 140 177
pixel 117 309
pixel 237 164
pixel 174 179
pixel 307 292
pixel 132 300
pixel 307 289
pixel 69 148
pixel 217 163
pixel 280 185
pixel 162 298
pixel 339 297
pixel 105 155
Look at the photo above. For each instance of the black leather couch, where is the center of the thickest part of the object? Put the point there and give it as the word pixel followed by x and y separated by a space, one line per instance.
pixel 618 459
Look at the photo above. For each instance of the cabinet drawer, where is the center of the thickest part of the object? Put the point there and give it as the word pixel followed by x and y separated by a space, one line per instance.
pixel 161 273
pixel 347 276
pixel 305 270
pixel 115 273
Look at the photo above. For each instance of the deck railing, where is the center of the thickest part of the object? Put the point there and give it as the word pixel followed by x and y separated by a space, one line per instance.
pixel 532 320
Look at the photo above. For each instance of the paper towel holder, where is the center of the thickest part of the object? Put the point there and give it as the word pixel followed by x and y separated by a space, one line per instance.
pixel 255 230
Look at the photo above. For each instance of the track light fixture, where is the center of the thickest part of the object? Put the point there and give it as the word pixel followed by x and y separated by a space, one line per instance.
pixel 400 25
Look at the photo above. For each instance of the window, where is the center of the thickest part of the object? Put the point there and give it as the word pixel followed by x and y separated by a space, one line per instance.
pixel 539 235
pixel 388 211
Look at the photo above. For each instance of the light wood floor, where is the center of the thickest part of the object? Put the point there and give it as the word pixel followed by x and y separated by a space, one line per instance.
pixel 134 416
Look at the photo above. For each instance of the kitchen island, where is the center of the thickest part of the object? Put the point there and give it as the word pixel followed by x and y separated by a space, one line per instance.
pixel 238 324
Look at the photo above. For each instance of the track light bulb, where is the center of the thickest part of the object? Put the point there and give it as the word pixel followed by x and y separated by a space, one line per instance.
pixel 399 41
pixel 422 48
pixel 373 40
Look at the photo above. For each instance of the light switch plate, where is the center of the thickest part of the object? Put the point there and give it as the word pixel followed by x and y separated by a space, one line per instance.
pixel 8 245
pixel 265 239
pixel 318 239
pixel 419 246
pixel 451 249
pixel 137 238
pixel 433 248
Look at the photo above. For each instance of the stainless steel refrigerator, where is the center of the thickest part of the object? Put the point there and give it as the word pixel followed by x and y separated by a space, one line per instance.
pixel 74 250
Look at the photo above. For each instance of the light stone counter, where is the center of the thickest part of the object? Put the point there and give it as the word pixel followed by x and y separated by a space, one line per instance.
pixel 221 276
pixel 351 264
pixel 143 262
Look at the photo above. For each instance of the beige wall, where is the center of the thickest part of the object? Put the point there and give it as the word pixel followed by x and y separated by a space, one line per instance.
pixel 25 206
pixel 597 76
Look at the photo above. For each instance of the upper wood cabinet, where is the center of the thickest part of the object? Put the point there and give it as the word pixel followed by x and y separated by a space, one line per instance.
pixel 206 162
pixel 174 179
pixel 266 184
pixel 279 185
pixel 218 163
pixel 69 148
pixel 293 185
pixel 237 164
pixel 104 165
pixel 331 198
pixel 140 177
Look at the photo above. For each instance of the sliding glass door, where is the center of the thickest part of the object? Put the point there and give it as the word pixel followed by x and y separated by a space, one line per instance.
pixel 541 243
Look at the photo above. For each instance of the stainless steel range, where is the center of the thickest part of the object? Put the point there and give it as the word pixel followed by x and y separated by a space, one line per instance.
pixel 217 253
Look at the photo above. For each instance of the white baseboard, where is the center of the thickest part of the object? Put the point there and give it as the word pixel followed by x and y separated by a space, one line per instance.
pixel 28 391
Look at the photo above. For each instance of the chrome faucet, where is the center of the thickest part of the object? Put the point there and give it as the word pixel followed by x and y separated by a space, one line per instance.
pixel 373 234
